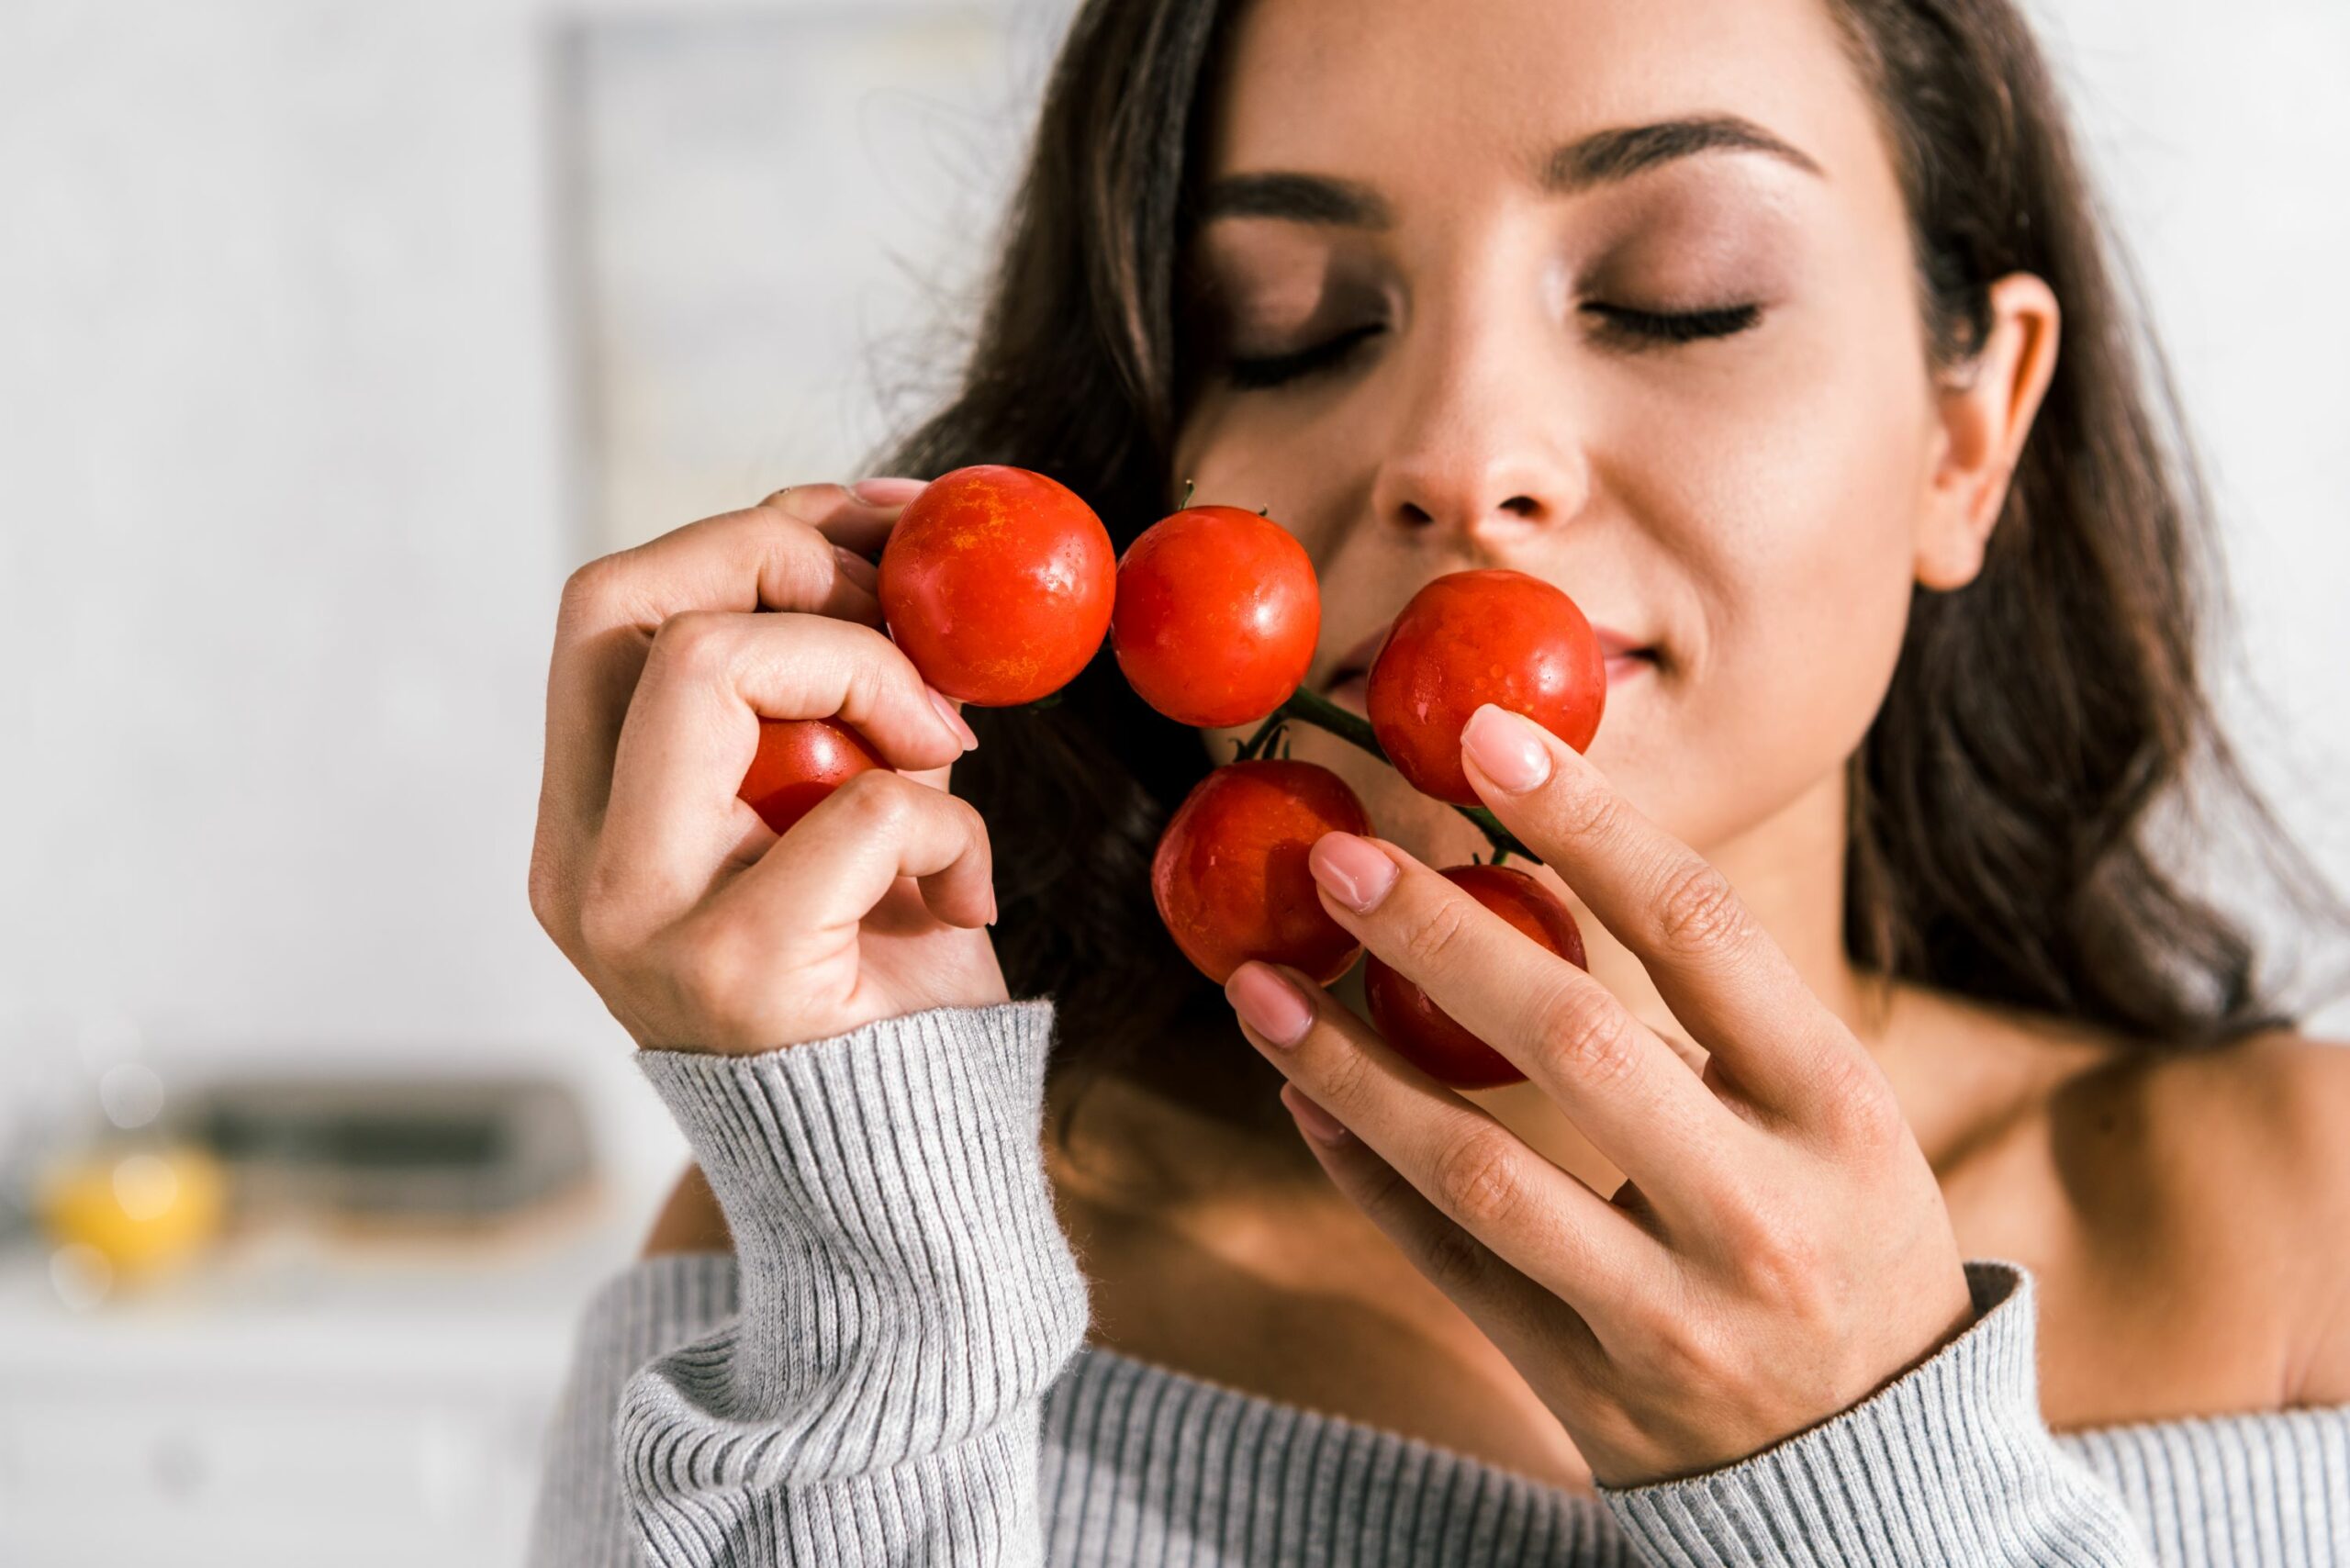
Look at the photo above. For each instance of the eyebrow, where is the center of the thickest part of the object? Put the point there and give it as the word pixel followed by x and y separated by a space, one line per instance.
pixel 1603 157
pixel 1608 155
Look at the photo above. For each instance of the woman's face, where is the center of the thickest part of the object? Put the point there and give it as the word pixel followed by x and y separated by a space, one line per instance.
pixel 1618 293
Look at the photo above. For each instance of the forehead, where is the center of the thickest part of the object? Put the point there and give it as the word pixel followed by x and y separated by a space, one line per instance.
pixel 1449 93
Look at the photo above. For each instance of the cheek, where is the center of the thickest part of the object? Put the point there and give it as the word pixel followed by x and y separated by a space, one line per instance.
pixel 1786 507
pixel 1251 453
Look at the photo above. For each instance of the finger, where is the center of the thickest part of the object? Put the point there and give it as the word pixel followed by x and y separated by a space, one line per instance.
pixel 1637 1102
pixel 864 530
pixel 825 875
pixel 1535 1216
pixel 769 556
pixel 1728 982
pixel 1513 1310
pixel 692 728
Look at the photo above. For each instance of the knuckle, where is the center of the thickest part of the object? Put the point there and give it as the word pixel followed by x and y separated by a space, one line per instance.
pixel 879 801
pixel 1478 1180
pixel 1682 1341
pixel 1858 1109
pixel 595 585
pixel 1433 944
pixel 1343 1083
pixel 1781 1264
pixel 973 826
pixel 693 642
pixel 1870 1120
pixel 1680 1351
pixel 798 556
pixel 1700 911
pixel 879 672
pixel 1591 1040
pixel 1589 814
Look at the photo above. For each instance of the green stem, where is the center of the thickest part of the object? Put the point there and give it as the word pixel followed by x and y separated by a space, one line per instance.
pixel 1254 746
pixel 1320 711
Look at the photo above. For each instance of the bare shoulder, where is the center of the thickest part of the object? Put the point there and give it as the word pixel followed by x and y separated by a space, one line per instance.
pixel 2240 1157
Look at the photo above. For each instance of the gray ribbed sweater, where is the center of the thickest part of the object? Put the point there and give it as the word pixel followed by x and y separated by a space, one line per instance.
pixel 891 1369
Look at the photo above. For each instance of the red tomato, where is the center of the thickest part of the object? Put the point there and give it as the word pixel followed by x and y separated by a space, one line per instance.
pixel 1472 638
pixel 1217 615
pixel 1230 875
pixel 1423 1034
pixel 801 761
pixel 998 583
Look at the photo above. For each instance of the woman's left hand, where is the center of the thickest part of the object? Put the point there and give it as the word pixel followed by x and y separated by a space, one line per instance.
pixel 1779 1250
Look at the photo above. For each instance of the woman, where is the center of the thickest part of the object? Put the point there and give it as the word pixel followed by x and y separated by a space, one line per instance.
pixel 1903 1064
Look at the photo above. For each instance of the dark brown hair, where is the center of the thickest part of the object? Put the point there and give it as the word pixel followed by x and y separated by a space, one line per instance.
pixel 2002 802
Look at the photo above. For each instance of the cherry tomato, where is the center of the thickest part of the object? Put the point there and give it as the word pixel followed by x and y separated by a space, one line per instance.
pixel 1472 638
pixel 998 584
pixel 1423 1034
pixel 1217 615
pixel 801 761
pixel 1230 875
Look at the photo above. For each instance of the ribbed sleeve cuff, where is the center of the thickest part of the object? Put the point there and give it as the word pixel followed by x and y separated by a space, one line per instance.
pixel 1949 1464
pixel 905 1282
pixel 654 1306
pixel 582 1516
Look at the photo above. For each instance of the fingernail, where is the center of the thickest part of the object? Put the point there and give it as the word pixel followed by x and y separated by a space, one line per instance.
pixel 888 492
pixel 955 724
pixel 1356 870
pixel 1317 1123
pixel 857 568
pixel 1507 748
pixel 1269 1005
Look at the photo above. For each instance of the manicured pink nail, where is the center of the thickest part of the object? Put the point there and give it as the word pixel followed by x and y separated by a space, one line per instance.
pixel 954 721
pixel 1269 1005
pixel 888 492
pixel 1507 748
pixel 1315 1122
pixel 1356 871
pixel 857 568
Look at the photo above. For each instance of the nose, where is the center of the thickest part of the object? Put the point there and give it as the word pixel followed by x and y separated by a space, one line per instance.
pixel 1483 449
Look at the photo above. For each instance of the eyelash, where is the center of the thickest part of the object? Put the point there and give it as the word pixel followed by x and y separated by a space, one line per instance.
pixel 1271 370
pixel 1678 325
pixel 1644 328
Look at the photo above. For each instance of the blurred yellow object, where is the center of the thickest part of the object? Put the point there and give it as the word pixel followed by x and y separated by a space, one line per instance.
pixel 140 1209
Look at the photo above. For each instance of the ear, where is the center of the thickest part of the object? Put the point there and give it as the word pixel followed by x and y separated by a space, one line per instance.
pixel 1985 410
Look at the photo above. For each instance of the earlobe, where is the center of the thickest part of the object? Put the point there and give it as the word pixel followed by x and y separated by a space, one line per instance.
pixel 1985 410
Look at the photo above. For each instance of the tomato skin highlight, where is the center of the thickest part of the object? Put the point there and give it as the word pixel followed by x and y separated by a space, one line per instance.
pixel 1230 876
pixel 1423 1034
pixel 1471 638
pixel 998 584
pixel 801 761
pixel 1217 616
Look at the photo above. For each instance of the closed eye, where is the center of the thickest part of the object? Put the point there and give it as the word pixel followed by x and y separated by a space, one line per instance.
pixel 1644 328
pixel 1635 328
pixel 1274 369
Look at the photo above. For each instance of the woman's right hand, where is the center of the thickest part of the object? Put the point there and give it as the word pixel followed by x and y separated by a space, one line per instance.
pixel 700 928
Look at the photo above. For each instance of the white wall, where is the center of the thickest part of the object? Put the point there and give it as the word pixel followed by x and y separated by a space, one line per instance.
pixel 283 433
pixel 2222 134
pixel 284 430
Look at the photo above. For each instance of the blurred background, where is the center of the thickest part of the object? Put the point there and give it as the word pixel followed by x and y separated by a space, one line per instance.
pixel 333 336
